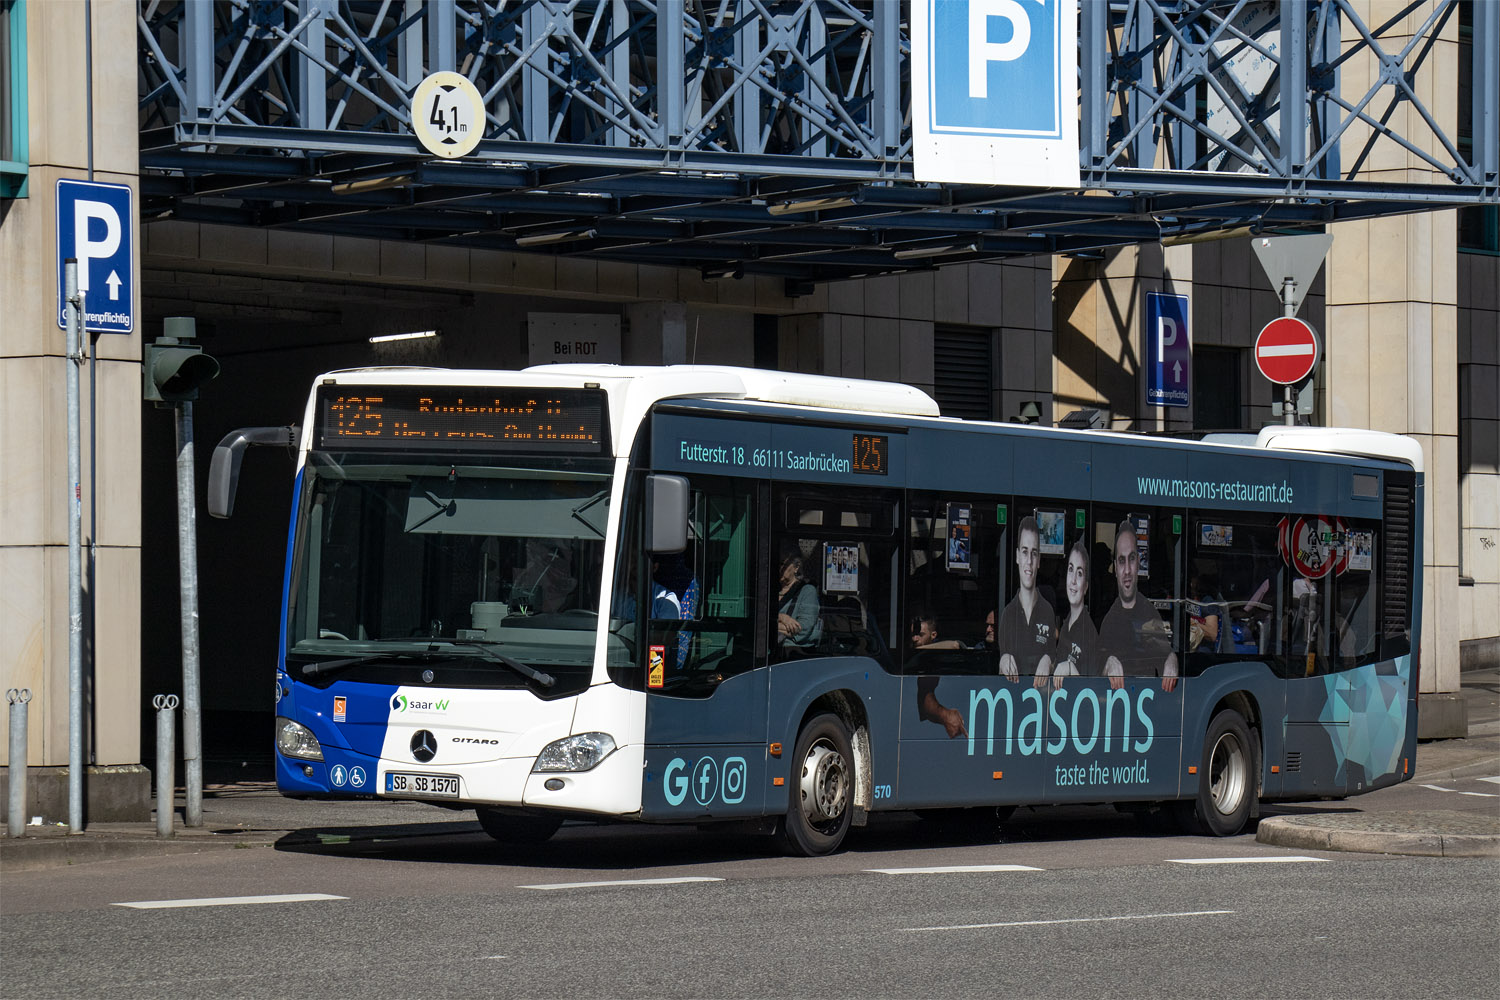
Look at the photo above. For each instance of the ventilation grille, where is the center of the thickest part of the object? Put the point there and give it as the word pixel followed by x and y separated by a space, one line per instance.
pixel 1396 557
pixel 962 368
pixel 1294 761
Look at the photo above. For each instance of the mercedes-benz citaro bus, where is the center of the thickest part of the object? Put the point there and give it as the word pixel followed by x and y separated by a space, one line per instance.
pixel 695 593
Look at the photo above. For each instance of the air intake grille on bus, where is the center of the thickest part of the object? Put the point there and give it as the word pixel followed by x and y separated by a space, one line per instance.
pixel 1396 557
pixel 1294 760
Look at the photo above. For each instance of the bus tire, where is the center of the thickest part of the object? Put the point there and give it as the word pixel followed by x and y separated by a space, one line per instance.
pixel 513 828
pixel 821 794
pixel 1226 778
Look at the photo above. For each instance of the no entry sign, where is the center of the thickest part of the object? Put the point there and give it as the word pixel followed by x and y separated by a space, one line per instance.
pixel 1287 350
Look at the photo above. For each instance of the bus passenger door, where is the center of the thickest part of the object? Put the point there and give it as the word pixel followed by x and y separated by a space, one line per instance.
pixel 830 621
pixel 705 680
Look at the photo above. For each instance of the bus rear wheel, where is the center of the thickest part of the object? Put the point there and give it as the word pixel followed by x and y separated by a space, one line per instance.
pixel 821 797
pixel 515 828
pixel 1226 778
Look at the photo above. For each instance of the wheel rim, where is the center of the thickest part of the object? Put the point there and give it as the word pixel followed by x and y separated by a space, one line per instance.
pixel 1228 774
pixel 825 784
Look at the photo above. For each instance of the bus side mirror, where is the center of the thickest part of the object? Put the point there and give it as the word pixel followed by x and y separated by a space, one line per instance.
pixel 666 513
pixel 224 469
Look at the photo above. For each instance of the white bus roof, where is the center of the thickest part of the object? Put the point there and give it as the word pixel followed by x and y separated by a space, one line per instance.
pixel 794 388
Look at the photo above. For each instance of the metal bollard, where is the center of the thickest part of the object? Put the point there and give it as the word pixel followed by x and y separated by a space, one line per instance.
pixel 15 821
pixel 166 753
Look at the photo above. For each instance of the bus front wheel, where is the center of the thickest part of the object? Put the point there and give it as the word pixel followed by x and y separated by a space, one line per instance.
pixel 821 798
pixel 1226 778
pixel 514 828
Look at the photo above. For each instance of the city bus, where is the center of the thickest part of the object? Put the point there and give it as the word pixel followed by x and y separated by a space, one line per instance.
pixel 692 594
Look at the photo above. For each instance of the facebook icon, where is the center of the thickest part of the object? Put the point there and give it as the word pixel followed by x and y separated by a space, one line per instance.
pixel 996 67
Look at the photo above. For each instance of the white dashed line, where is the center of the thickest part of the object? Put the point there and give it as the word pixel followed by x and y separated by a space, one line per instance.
pixel 1241 861
pixel 627 881
pixel 1074 920
pixel 952 869
pixel 1494 780
pixel 1439 788
pixel 165 904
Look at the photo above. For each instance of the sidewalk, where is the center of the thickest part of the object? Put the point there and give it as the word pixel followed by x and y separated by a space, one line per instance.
pixel 1433 833
pixel 244 811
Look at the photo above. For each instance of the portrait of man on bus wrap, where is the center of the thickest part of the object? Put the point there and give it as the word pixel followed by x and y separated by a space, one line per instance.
pixel 1027 632
pixel 1133 639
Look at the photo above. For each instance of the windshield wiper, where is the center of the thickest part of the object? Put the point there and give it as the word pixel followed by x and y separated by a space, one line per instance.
pixel 484 646
pixel 313 669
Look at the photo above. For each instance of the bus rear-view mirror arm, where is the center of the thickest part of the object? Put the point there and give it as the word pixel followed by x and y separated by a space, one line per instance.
pixel 224 470
pixel 666 513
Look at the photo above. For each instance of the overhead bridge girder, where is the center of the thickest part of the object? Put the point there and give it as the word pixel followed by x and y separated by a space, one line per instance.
pixel 775 135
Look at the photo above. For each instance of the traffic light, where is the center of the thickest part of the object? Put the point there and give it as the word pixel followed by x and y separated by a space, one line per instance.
pixel 173 368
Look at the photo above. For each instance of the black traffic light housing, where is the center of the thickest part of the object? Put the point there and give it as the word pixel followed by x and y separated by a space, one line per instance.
pixel 173 368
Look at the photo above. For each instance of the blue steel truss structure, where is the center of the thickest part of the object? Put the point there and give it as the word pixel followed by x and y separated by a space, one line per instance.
pixel 773 136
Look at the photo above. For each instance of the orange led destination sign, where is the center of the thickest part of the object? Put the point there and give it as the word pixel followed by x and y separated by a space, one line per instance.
pixel 468 418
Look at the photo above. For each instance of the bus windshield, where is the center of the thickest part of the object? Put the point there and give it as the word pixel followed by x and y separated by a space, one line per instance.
pixel 485 575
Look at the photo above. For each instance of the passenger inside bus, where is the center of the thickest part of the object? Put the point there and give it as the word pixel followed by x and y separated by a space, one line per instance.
pixel 796 605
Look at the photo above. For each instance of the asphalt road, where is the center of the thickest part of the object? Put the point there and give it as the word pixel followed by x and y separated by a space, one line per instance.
pixel 1110 909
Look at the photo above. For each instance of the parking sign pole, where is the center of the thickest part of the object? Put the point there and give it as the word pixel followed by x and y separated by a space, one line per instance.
pixel 74 301
pixel 187 543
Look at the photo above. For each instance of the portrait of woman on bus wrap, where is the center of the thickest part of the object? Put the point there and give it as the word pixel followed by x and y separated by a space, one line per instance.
pixel 1077 640
pixel 796 604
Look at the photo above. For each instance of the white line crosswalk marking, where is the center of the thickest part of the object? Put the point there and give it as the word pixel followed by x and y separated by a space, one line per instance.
pixel 1072 920
pixel 1241 861
pixel 167 904
pixel 624 881
pixel 951 869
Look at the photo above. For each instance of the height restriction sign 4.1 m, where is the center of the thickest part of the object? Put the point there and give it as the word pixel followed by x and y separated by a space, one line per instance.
pixel 447 114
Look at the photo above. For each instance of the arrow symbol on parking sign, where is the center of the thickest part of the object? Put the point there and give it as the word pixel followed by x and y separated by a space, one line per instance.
pixel 114 283
pixel 1177 371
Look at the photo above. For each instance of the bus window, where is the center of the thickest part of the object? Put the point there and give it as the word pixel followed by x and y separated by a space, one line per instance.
pixel 832 588
pixel 701 629
pixel 1235 579
pixel 1139 596
pixel 1330 617
pixel 953 583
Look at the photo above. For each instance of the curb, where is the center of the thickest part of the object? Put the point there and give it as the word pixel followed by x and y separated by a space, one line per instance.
pixel 40 853
pixel 1305 833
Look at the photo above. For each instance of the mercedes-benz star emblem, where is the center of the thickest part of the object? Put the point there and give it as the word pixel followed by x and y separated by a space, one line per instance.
pixel 423 746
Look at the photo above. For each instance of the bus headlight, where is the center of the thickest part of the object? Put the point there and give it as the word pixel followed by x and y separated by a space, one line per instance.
pixel 295 740
pixel 575 753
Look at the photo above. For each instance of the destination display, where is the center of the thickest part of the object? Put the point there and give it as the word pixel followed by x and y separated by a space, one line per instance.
pixel 461 418
pixel 780 451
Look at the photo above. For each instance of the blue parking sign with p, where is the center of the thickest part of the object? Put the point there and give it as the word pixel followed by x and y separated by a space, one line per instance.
pixel 94 228
pixel 996 67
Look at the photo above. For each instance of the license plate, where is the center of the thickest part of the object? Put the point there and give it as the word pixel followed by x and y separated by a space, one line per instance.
pixel 427 786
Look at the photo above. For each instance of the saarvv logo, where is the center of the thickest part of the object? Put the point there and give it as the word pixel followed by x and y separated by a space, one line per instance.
pixel 400 704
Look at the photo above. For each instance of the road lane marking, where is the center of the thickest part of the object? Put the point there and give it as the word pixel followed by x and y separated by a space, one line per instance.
pixel 166 904
pixel 1495 780
pixel 624 881
pixel 1241 861
pixel 1439 788
pixel 1071 920
pixel 950 869
pixel 1482 795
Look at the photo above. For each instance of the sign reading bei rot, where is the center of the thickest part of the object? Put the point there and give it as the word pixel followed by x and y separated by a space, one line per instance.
pixel 1287 350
